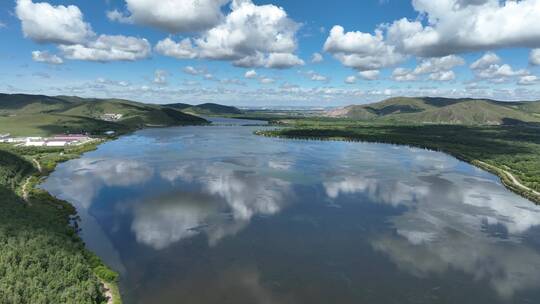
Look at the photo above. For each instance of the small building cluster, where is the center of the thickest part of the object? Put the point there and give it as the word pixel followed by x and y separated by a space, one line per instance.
pixel 111 117
pixel 54 141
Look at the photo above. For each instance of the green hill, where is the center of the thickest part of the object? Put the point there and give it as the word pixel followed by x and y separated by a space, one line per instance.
pixel 206 109
pixel 22 103
pixel 44 115
pixel 179 106
pixel 430 110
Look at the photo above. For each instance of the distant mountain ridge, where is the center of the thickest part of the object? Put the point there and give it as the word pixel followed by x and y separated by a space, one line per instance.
pixel 434 110
pixel 205 109
pixel 24 114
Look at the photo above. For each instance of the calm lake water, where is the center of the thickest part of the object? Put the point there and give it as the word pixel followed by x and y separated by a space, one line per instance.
pixel 218 215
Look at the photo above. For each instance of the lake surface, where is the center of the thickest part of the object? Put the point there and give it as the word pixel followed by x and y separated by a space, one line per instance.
pixel 216 214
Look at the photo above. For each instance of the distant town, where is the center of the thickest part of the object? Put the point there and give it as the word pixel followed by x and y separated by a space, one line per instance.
pixel 53 141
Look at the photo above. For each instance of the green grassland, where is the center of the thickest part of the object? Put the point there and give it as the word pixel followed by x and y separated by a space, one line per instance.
pixel 36 115
pixel 42 259
pixel 512 148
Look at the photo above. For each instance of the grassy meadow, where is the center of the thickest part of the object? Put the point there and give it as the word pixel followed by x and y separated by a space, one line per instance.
pixel 34 115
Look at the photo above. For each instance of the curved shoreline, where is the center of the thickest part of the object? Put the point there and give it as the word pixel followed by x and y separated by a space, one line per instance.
pixel 108 278
pixel 110 286
pixel 507 179
pixel 44 161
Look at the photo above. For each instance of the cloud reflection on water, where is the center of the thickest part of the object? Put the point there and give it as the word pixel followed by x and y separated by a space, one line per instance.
pixel 164 220
pixel 393 193
pixel 446 227
pixel 88 176
pixel 448 221
pixel 231 199
pixel 508 268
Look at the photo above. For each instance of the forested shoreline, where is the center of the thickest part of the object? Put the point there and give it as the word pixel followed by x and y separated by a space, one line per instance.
pixel 497 149
pixel 42 258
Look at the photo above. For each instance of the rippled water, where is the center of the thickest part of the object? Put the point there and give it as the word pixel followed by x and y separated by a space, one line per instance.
pixel 219 215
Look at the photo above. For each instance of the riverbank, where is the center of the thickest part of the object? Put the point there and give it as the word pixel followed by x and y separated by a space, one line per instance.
pixel 510 152
pixel 42 258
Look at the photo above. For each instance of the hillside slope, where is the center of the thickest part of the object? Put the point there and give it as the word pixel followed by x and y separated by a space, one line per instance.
pixel 39 115
pixel 206 109
pixel 442 111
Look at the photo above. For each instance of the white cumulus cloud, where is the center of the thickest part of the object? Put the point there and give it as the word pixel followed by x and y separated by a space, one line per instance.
pixel 443 76
pixel 370 74
pixel 402 75
pixel 438 65
pixel 534 57
pixel 455 26
pixel 45 23
pixel 65 27
pixel 193 71
pixel 316 58
pixel 282 61
pixel 160 77
pixel 181 50
pixel 314 76
pixel 442 28
pixel 266 80
pixel 251 74
pixel 249 36
pixel 489 67
pixel 46 57
pixel 362 51
pixel 528 80
pixel 117 16
pixel 174 16
pixel 485 61
pixel 350 80
pixel 109 48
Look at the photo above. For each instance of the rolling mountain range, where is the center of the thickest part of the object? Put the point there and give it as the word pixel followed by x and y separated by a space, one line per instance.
pixel 205 109
pixel 429 110
pixel 37 115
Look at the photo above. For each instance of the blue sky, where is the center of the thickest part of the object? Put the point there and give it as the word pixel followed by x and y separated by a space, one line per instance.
pixel 255 53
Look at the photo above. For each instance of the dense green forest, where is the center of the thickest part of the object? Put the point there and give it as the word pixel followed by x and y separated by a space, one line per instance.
pixel 514 148
pixel 42 259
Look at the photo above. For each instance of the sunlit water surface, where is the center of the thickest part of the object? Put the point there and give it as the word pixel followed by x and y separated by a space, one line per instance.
pixel 218 215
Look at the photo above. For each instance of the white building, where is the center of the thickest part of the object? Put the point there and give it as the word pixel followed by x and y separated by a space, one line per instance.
pixel 111 116
pixel 34 143
pixel 56 143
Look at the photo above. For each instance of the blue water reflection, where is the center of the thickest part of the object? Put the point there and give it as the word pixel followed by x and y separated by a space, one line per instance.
pixel 182 211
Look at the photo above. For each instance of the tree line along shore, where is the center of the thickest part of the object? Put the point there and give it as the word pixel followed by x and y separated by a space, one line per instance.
pixel 510 152
pixel 42 258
